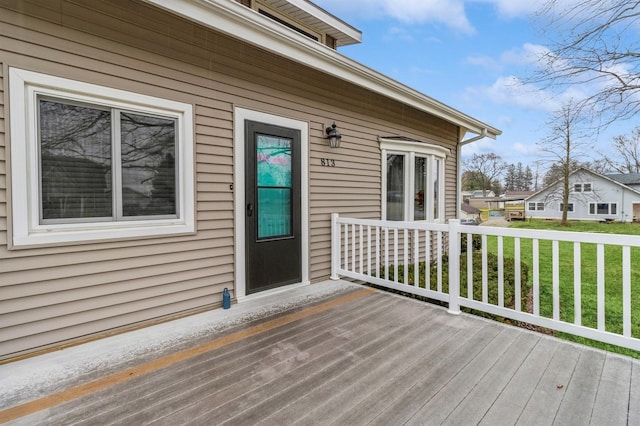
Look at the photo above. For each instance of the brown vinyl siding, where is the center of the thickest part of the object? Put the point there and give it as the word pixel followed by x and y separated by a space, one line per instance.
pixel 52 294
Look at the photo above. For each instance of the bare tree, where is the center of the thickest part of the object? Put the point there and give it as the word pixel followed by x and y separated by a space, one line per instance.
pixel 562 148
pixel 485 167
pixel 596 45
pixel 626 153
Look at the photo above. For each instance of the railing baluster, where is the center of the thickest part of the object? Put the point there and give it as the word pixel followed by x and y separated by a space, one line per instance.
pixel 346 247
pixel 406 257
pixel 395 255
pixel 485 272
pixel 600 285
pixel 416 258
pixel 427 264
pixel 555 261
pixel 470 266
pixel 577 283
pixel 386 253
pixel 500 272
pixel 517 277
pixel 369 250
pixel 377 273
pixel 536 277
pixel 439 247
pixel 354 258
pixel 626 291
pixel 361 250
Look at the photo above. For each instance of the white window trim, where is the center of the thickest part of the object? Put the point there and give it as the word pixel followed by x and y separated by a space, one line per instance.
pixel 571 207
pixel 410 150
pixel 24 88
pixel 595 208
pixel 582 185
pixel 535 205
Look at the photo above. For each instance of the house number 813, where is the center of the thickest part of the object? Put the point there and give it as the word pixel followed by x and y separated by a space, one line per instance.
pixel 326 162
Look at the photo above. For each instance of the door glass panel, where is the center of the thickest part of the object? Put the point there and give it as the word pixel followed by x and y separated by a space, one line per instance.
pixel 148 165
pixel 420 179
pixel 274 212
pixel 395 187
pixel 75 161
pixel 274 186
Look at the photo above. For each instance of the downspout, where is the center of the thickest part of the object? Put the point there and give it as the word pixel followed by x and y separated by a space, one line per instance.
pixel 461 143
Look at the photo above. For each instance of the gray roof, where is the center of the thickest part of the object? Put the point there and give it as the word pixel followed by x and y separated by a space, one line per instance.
pixel 625 178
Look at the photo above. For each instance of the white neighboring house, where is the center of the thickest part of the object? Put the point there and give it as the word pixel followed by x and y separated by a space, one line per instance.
pixel 592 196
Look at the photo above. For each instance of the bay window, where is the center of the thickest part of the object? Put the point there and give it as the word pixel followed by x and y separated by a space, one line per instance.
pixel 91 162
pixel 414 180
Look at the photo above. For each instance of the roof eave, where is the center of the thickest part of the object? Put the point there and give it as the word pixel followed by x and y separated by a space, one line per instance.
pixel 232 18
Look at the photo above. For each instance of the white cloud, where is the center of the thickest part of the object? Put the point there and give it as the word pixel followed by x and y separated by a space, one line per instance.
pixel 486 62
pixel 528 54
pixel 526 149
pixel 399 33
pixel 509 90
pixel 514 8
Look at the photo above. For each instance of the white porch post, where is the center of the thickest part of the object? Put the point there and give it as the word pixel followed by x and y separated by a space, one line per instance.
pixel 335 246
pixel 454 267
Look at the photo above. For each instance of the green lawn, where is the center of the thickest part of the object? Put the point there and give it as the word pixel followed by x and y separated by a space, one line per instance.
pixel 613 276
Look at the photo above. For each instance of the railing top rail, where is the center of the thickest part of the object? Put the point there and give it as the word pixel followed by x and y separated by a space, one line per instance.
pixel 427 226
pixel 569 236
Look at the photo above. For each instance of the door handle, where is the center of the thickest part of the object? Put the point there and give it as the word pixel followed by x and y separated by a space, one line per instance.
pixel 249 209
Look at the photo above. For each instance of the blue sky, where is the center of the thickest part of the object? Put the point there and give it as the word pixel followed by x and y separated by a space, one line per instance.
pixel 469 54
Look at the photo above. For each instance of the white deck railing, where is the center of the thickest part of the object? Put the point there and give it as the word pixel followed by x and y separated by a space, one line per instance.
pixel 557 294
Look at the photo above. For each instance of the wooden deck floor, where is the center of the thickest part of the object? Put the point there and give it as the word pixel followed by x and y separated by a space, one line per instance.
pixel 372 359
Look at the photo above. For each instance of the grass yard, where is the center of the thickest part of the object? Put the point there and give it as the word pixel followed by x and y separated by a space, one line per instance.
pixel 588 302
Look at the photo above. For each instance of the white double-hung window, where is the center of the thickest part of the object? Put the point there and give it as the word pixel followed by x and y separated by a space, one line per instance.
pixel 413 180
pixel 91 162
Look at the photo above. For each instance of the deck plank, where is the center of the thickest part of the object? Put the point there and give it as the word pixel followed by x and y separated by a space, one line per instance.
pixel 209 393
pixel 634 394
pixel 380 360
pixel 612 398
pixel 459 386
pixel 509 406
pixel 378 400
pixel 337 397
pixel 436 375
pixel 157 392
pixel 487 390
pixel 581 391
pixel 403 338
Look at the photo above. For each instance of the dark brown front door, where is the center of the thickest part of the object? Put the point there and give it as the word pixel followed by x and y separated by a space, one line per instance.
pixel 272 194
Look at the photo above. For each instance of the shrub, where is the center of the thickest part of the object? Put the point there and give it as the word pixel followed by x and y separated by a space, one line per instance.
pixel 492 278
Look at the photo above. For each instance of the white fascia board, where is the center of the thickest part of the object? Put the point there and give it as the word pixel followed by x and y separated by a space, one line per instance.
pixel 329 19
pixel 245 24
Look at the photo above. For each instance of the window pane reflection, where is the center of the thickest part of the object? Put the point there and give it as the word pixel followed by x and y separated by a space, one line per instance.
pixel 420 180
pixel 148 147
pixel 75 161
pixel 395 187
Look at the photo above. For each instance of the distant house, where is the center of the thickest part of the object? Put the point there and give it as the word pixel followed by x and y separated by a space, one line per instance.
pixel 467 211
pixel 514 207
pixel 592 196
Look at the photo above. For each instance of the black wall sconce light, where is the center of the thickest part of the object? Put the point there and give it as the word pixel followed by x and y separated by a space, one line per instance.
pixel 333 136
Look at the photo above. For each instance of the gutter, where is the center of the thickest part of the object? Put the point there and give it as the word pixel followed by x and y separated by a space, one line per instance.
pixel 483 134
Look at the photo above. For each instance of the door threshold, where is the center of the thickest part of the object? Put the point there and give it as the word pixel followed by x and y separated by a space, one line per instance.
pixel 273 291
